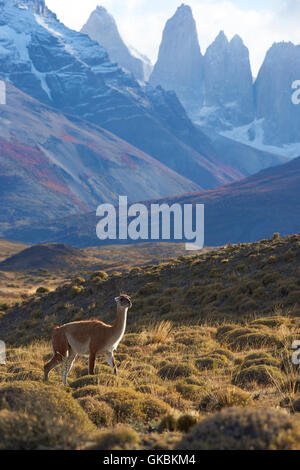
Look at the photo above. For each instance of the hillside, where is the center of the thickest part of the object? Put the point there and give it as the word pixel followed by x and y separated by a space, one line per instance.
pixel 53 257
pixel 242 212
pixel 54 166
pixel 8 248
pixel 234 282
pixel 208 347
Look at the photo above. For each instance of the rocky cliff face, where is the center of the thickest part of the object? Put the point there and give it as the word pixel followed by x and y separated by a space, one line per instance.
pixel 180 63
pixel 228 80
pixel 72 73
pixel 273 94
pixel 217 90
pixel 101 27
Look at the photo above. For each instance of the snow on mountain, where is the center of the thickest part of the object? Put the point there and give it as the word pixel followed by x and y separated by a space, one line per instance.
pixel 147 64
pixel 69 71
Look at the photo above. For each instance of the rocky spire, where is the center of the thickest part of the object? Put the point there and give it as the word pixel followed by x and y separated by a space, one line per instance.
pixel 180 63
pixel 101 27
pixel 228 79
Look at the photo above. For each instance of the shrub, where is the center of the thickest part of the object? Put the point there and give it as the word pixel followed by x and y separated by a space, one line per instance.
pixel 211 362
pixel 247 338
pixel 99 412
pixel 75 291
pixel 259 358
pixel 226 397
pixel 119 438
pixel 42 410
pixel 79 280
pixel 160 332
pixel 270 278
pixel 289 255
pixel 190 391
pixel 244 429
pixel 296 405
pixel 84 381
pixel 271 321
pixel 293 297
pixel 89 390
pixel 98 275
pixel 186 422
pixel 173 371
pixel 21 431
pixel 168 423
pixel 131 405
pixel 42 290
pixel 260 374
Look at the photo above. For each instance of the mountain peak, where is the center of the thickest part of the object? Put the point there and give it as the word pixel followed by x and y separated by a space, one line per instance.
pixel 36 6
pixel 221 38
pixel 237 40
pixel 184 9
pixel 102 27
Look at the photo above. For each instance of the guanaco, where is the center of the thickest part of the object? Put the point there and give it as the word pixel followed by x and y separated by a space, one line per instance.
pixel 88 338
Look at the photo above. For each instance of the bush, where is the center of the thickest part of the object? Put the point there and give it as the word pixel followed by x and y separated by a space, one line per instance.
pixel 119 438
pixel 75 291
pixel 186 422
pixel 168 423
pixel 246 338
pixel 226 397
pixel 190 391
pixel 98 276
pixel 260 374
pixel 88 390
pixel 259 358
pixel 131 405
pixel 173 371
pixel 21 431
pixel 271 322
pixel 42 290
pixel 99 412
pixel 84 381
pixel 244 429
pixel 48 415
pixel 270 278
pixel 211 362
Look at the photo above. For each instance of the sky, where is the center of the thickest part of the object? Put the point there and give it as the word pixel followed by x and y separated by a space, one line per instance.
pixel 260 23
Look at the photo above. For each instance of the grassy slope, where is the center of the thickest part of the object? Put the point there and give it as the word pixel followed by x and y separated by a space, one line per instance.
pixel 24 271
pixel 223 324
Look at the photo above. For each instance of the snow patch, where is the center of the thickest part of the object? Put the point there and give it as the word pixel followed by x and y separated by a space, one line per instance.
pixel 253 135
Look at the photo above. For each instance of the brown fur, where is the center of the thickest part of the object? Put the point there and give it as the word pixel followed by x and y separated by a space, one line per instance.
pixel 93 335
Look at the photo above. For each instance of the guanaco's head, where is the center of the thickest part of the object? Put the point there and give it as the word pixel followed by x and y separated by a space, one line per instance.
pixel 124 301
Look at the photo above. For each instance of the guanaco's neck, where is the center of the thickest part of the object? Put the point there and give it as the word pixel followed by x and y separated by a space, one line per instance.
pixel 119 325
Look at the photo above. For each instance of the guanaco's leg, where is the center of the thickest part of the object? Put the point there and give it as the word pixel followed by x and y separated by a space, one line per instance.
pixel 54 362
pixel 92 359
pixel 111 361
pixel 67 366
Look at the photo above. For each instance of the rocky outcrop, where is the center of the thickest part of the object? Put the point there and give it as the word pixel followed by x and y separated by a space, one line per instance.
pixel 228 81
pixel 180 63
pixel 273 94
pixel 101 27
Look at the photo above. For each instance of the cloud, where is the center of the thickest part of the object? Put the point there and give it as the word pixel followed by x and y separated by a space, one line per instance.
pixel 141 22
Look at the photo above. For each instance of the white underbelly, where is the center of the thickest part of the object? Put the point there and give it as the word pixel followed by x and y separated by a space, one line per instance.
pixel 82 349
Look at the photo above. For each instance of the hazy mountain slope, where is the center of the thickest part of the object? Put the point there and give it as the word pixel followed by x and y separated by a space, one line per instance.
pixel 68 70
pixel 101 27
pixel 51 166
pixel 245 211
